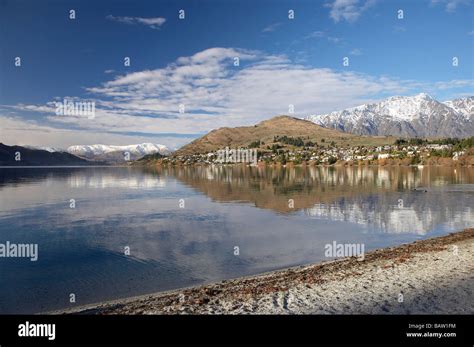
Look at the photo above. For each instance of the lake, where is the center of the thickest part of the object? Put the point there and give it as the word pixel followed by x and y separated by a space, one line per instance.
pixel 132 231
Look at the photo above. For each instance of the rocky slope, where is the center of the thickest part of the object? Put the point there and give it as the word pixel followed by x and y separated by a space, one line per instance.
pixel 278 126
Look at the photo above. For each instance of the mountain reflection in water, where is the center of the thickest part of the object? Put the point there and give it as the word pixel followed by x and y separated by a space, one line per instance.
pixel 278 217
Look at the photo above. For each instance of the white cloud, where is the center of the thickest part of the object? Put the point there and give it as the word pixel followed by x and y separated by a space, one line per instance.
pixel 17 131
pixel 356 51
pixel 451 5
pixel 215 93
pixel 154 23
pixel 271 27
pixel 348 10
pixel 453 84
pixel 323 35
pixel 49 107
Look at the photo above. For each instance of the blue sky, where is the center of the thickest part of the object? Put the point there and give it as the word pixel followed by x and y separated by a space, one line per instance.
pixel 190 62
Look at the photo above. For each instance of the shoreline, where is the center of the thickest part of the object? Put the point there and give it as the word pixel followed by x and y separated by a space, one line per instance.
pixel 432 276
pixel 465 162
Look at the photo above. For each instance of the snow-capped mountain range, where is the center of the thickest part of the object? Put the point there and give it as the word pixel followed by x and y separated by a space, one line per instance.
pixel 405 116
pixel 141 149
pixel 116 153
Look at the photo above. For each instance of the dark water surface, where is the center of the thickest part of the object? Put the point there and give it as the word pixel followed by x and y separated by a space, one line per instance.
pixel 81 250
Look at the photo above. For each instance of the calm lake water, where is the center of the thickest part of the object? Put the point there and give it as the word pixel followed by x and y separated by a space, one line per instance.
pixel 82 249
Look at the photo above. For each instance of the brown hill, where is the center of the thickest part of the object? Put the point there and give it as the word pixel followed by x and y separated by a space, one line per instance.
pixel 278 126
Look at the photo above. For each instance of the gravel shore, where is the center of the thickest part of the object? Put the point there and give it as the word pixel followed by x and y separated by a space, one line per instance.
pixel 434 276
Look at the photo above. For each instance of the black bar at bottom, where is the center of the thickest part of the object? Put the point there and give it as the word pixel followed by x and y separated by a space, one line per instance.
pixel 337 329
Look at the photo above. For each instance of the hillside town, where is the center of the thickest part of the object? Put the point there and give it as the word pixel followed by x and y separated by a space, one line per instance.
pixel 295 151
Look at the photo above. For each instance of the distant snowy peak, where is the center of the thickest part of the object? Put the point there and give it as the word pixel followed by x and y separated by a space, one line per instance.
pixel 139 149
pixel 117 154
pixel 407 116
pixel 464 106
pixel 396 107
pixel 47 149
pixel 408 108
